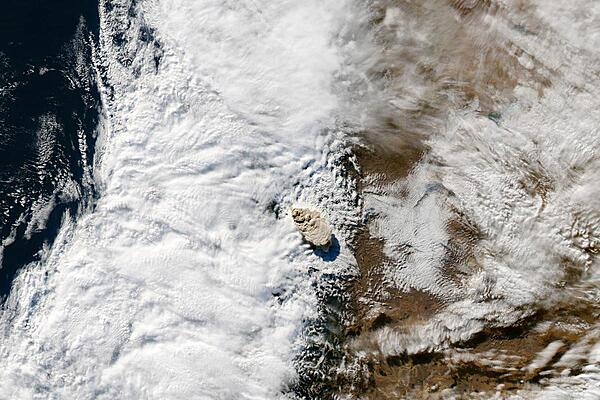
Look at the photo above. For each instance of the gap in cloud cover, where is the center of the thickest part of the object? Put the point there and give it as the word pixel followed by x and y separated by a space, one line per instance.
pixel 475 246
pixel 189 279
pixel 48 116
pixel 448 146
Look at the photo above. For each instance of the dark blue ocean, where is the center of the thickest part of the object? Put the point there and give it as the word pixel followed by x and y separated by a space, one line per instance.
pixel 49 106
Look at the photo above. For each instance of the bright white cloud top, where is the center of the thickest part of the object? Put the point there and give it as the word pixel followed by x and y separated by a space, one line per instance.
pixel 188 280
pixel 164 290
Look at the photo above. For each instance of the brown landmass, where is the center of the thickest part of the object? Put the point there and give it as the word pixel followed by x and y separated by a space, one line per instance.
pixel 468 62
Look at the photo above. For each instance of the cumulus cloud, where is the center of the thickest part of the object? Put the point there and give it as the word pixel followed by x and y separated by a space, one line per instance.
pixel 216 114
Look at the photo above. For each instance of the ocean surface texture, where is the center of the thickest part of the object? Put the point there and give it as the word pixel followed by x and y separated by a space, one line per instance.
pixel 151 152
pixel 48 117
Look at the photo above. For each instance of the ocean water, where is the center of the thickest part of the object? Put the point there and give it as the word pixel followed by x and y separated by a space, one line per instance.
pixel 151 151
pixel 188 279
pixel 48 118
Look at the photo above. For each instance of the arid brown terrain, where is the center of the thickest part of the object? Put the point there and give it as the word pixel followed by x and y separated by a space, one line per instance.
pixel 465 61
